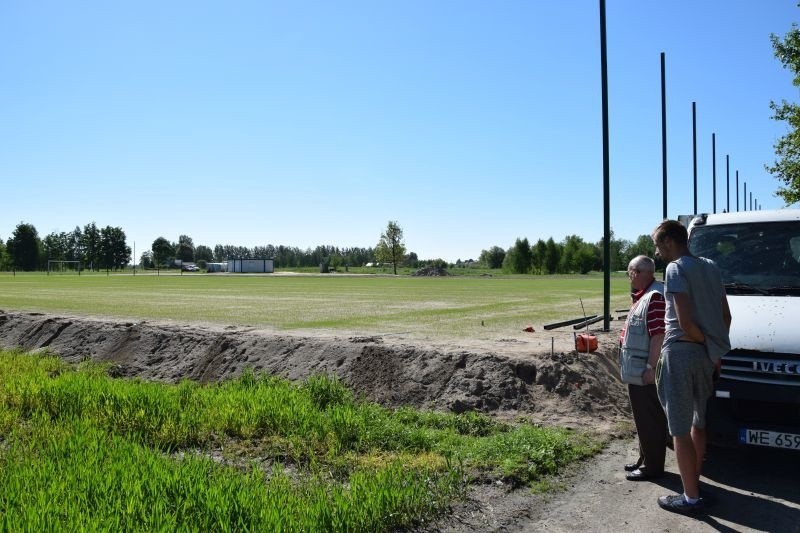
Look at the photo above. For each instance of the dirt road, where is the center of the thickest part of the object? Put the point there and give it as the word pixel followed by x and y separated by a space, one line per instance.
pixel 747 490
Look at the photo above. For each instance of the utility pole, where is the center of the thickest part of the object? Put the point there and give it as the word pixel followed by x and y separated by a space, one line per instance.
pixel 714 171
pixel 606 180
pixel 694 151
pixel 664 136
pixel 728 182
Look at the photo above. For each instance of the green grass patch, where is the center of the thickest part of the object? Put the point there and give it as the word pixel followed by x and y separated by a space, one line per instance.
pixel 466 307
pixel 82 451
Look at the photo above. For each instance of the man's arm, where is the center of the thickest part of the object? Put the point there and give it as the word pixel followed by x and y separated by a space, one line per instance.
pixel 649 376
pixel 726 312
pixel 683 309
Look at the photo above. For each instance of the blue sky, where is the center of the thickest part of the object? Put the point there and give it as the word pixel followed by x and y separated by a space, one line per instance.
pixel 471 123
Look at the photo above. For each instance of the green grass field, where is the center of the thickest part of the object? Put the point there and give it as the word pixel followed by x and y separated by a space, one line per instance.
pixel 80 451
pixel 452 306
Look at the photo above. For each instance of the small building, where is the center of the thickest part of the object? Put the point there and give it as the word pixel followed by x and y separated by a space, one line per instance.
pixel 251 266
pixel 216 267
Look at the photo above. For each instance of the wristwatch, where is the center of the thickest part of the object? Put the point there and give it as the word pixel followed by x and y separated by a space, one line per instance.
pixel 649 366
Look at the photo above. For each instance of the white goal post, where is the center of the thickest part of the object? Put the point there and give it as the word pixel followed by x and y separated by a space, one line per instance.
pixel 60 266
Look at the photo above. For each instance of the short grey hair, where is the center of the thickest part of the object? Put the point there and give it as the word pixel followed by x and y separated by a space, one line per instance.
pixel 642 263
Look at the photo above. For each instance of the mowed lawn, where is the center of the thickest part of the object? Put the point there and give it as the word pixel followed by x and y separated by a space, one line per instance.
pixel 457 306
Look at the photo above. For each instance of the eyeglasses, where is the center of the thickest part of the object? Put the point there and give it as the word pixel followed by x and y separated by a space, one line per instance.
pixel 632 272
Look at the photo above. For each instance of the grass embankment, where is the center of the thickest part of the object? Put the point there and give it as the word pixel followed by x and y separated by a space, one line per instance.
pixel 454 307
pixel 82 451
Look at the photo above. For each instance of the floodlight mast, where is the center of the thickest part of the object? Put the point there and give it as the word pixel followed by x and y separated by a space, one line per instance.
pixel 664 136
pixel 694 152
pixel 714 171
pixel 606 195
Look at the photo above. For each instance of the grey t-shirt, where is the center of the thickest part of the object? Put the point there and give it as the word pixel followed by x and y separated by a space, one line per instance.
pixel 702 280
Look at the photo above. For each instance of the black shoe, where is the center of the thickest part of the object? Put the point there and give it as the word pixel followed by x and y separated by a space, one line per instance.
pixel 630 467
pixel 676 503
pixel 640 475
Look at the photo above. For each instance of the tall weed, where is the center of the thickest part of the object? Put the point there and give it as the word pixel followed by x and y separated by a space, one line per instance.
pixel 82 451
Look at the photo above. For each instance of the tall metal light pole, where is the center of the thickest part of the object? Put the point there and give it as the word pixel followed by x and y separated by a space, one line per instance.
pixel 664 136
pixel 728 182
pixel 714 171
pixel 694 151
pixel 737 191
pixel 745 196
pixel 606 195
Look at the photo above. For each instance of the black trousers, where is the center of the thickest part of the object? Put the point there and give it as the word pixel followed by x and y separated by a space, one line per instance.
pixel 651 425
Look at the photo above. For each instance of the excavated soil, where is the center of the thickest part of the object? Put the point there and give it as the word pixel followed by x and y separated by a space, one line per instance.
pixel 537 375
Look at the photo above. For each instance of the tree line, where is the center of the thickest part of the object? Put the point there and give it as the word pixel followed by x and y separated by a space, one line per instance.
pixel 106 249
pixel 572 255
pixel 164 253
pixel 95 248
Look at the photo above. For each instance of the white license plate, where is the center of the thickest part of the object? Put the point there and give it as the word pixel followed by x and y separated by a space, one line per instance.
pixel 773 439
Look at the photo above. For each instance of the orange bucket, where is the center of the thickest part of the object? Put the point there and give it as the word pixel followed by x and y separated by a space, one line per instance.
pixel 585 343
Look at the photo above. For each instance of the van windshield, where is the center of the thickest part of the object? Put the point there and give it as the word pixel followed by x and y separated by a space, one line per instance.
pixel 755 258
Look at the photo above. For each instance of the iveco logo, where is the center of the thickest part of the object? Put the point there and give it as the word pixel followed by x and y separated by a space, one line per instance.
pixel 777 367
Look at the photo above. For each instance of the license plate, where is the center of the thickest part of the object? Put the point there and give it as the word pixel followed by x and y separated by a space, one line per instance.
pixel 773 439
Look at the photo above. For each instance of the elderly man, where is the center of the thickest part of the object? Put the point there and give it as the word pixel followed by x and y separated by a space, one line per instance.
pixel 640 347
pixel 696 337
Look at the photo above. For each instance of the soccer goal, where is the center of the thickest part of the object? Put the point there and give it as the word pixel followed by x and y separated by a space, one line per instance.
pixel 56 266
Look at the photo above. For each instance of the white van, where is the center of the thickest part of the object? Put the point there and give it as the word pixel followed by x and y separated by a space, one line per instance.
pixel 757 398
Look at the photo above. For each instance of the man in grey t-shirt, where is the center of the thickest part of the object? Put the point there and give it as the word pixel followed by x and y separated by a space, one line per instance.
pixel 697 320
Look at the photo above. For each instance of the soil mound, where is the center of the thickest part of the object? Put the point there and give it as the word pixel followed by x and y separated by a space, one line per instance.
pixel 553 385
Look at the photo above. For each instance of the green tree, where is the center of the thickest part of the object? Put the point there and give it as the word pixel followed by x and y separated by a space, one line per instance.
pixel 74 249
pixel 493 257
pixel 24 247
pixel 618 250
pixel 185 249
pixel 588 259
pixel 567 263
pixel 519 258
pixel 643 245
pixel 359 256
pixel 577 256
pixel 204 253
pixel 90 244
pixel 786 168
pixel 146 260
pixel 114 252
pixel 539 251
pixel 163 252
pixel 552 256
pixel 56 245
pixel 5 263
pixel 390 248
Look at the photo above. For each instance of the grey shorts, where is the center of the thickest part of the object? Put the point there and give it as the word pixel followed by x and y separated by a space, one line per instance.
pixel 685 383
